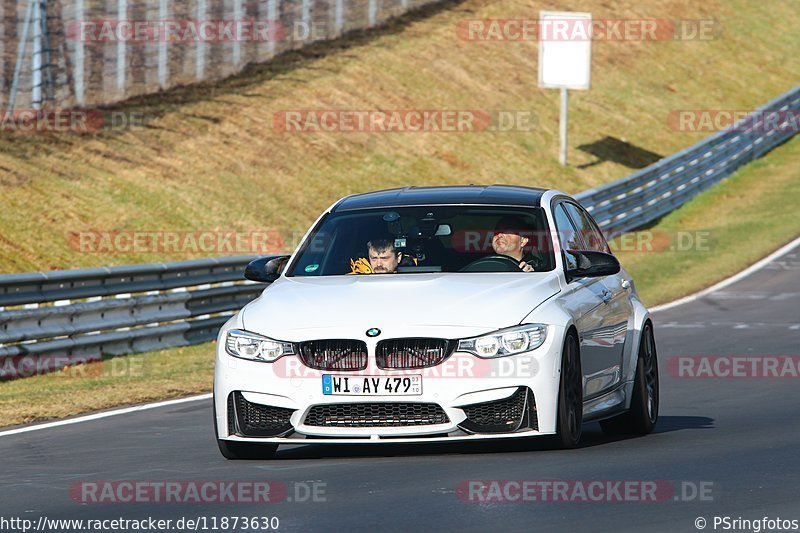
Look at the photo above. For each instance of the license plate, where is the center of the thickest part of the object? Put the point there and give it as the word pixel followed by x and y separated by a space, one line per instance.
pixel 372 385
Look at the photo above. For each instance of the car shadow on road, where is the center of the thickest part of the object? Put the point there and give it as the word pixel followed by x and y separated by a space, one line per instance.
pixel 677 423
pixel 319 451
pixel 593 437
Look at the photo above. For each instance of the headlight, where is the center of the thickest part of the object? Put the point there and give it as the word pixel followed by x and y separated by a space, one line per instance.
pixel 246 345
pixel 506 342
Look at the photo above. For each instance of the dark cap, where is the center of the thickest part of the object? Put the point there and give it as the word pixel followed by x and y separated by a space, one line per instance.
pixel 511 224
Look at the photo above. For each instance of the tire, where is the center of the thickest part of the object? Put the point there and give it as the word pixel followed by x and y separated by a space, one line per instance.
pixel 642 417
pixel 241 450
pixel 570 395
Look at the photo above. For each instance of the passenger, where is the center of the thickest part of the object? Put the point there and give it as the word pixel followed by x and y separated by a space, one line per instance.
pixel 382 258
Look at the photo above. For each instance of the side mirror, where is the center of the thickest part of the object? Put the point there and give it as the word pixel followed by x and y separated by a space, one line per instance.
pixel 266 269
pixel 590 264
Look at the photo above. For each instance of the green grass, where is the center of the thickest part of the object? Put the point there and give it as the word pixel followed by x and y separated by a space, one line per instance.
pixel 123 380
pixel 721 231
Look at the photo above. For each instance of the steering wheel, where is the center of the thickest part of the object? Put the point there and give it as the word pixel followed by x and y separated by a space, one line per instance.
pixel 493 263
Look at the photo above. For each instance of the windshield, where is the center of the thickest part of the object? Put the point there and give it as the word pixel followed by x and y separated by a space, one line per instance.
pixel 409 240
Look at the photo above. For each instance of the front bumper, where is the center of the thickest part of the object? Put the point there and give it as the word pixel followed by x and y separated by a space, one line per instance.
pixel 464 398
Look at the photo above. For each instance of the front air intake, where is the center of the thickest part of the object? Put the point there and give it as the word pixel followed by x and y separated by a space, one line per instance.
pixel 516 412
pixel 256 420
pixel 377 415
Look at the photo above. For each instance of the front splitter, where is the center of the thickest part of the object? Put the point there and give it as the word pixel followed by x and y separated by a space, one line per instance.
pixel 387 440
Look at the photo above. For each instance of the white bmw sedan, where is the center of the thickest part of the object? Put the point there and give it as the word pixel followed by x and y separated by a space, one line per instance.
pixel 429 314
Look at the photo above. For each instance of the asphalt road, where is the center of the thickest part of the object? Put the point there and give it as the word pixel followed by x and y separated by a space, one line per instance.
pixel 723 446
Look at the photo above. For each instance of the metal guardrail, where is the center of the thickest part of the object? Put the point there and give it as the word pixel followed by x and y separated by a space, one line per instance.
pixel 125 309
pixel 647 195
pixel 40 287
pixel 118 310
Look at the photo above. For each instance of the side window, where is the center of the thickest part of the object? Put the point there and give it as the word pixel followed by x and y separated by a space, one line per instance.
pixel 567 236
pixel 592 237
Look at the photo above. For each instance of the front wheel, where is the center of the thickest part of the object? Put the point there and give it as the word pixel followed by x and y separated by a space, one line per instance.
pixel 643 414
pixel 570 395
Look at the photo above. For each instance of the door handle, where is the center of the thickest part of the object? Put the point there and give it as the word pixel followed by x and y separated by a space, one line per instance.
pixel 606 296
pixel 626 284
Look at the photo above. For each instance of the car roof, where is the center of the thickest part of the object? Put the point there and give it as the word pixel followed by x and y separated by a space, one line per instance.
pixel 446 195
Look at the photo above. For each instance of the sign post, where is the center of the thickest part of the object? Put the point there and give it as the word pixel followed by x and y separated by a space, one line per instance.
pixel 565 59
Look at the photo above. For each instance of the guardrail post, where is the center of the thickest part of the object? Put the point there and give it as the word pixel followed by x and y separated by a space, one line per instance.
pixel 200 48
pixel 122 14
pixel 163 44
pixel 80 55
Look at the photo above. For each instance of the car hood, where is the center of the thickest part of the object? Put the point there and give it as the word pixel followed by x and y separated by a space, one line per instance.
pixel 290 307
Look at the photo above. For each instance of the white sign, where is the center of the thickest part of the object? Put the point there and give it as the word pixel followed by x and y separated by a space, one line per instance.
pixel 565 50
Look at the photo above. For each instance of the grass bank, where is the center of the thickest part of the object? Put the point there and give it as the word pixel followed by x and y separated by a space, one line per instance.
pixel 209 158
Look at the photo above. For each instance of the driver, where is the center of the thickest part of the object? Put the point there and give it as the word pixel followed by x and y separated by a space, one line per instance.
pixel 508 240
